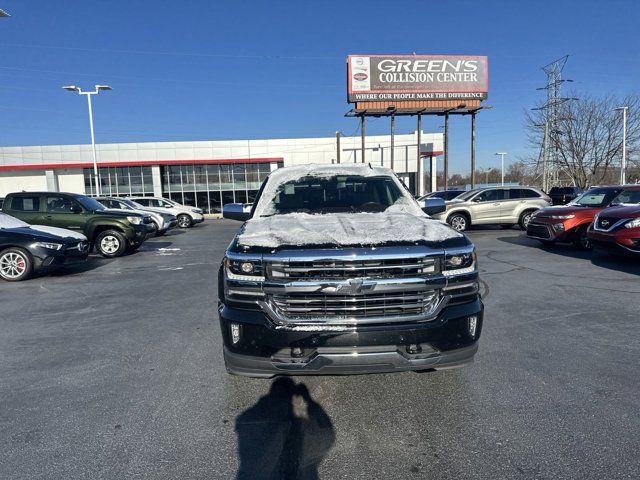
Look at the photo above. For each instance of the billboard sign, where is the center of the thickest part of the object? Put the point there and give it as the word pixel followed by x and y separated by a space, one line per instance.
pixel 375 78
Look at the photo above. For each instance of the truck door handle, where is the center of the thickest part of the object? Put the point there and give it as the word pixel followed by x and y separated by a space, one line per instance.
pixel 497 204
pixel 48 217
pixel 523 201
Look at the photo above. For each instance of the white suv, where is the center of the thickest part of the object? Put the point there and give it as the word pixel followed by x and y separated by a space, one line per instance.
pixel 187 216
pixel 504 206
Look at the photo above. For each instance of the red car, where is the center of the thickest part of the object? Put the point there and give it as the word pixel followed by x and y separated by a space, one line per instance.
pixel 617 229
pixel 570 223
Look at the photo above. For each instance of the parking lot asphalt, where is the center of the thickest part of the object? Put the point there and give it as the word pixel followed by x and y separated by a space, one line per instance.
pixel 114 370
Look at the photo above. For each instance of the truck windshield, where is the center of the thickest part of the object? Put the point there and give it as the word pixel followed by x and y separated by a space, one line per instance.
pixel 89 203
pixel 337 194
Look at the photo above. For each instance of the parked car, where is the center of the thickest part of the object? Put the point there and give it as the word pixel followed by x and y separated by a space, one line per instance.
pixel 443 194
pixel 563 195
pixel 29 249
pixel 1 202
pixel 337 270
pixel 504 206
pixel 162 220
pixel 112 233
pixel 616 229
pixel 187 216
pixel 569 223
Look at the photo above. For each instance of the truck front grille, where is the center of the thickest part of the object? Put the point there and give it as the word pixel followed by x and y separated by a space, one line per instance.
pixel 358 268
pixel 318 306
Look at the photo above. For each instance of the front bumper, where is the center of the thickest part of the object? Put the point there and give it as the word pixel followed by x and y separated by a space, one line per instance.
pixel 44 259
pixel 540 229
pixel 620 242
pixel 197 217
pixel 265 350
pixel 139 233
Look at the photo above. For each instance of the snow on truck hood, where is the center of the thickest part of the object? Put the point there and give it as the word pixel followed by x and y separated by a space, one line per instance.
pixel 297 229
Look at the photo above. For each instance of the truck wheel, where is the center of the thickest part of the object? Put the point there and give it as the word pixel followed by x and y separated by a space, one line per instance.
pixel 184 220
pixel 580 240
pixel 15 264
pixel 458 222
pixel 111 243
pixel 525 218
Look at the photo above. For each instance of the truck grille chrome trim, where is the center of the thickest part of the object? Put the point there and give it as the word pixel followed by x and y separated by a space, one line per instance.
pixel 323 269
pixel 309 309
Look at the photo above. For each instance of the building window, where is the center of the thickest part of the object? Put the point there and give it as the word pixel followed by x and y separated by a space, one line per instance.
pixel 119 181
pixel 211 186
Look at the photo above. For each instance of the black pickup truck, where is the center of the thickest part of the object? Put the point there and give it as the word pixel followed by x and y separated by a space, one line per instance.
pixel 338 270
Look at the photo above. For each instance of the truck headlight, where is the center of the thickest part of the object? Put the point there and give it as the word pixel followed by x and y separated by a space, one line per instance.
pixel 134 220
pixel 240 269
pixel 459 263
pixel 635 223
pixel 47 245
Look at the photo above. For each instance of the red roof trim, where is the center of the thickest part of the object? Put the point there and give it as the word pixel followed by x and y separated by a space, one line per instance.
pixel 141 163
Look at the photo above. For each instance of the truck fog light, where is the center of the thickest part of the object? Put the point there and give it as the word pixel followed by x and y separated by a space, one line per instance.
pixel 473 324
pixel 246 267
pixel 559 227
pixel 235 333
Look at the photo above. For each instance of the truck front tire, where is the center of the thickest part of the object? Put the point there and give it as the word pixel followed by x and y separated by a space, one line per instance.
pixel 111 243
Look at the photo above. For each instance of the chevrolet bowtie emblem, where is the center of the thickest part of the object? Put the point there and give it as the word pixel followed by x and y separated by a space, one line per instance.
pixel 353 286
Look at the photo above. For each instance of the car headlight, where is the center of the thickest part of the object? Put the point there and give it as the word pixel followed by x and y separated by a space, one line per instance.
pixel 459 263
pixel 135 220
pixel 47 245
pixel 239 269
pixel 563 217
pixel 196 210
pixel 635 223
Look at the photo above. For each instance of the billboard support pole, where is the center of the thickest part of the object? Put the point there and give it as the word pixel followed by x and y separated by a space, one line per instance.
pixel 446 151
pixel 393 133
pixel 473 150
pixel 362 133
pixel 419 165
pixel 338 149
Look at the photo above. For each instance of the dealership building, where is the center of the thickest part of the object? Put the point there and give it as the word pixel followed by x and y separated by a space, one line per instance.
pixel 206 174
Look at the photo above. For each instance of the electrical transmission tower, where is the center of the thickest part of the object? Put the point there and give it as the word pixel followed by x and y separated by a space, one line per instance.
pixel 550 163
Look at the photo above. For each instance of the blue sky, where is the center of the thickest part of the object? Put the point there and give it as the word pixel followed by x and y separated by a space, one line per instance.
pixel 206 70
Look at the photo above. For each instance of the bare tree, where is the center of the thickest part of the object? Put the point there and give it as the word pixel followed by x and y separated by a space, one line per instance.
pixel 588 137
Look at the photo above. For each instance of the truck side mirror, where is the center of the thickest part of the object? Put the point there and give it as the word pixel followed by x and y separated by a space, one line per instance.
pixel 237 211
pixel 433 205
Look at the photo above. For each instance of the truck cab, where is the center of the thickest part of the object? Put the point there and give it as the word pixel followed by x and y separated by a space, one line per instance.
pixel 338 270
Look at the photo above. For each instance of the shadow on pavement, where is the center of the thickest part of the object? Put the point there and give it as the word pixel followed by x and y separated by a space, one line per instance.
pixel 285 435
pixel 612 262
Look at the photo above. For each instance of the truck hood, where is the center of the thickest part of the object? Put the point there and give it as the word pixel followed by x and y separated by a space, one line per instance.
pixel 346 229
pixel 118 213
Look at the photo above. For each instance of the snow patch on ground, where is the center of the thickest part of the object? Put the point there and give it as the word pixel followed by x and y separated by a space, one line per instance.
pixel 299 229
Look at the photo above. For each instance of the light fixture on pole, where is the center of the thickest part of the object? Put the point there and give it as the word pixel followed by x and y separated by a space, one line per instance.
pixel 502 154
pixel 623 165
pixel 78 90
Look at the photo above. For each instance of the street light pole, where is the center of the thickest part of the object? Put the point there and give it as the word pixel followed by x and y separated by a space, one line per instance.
pixel 623 166
pixel 502 154
pixel 78 90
